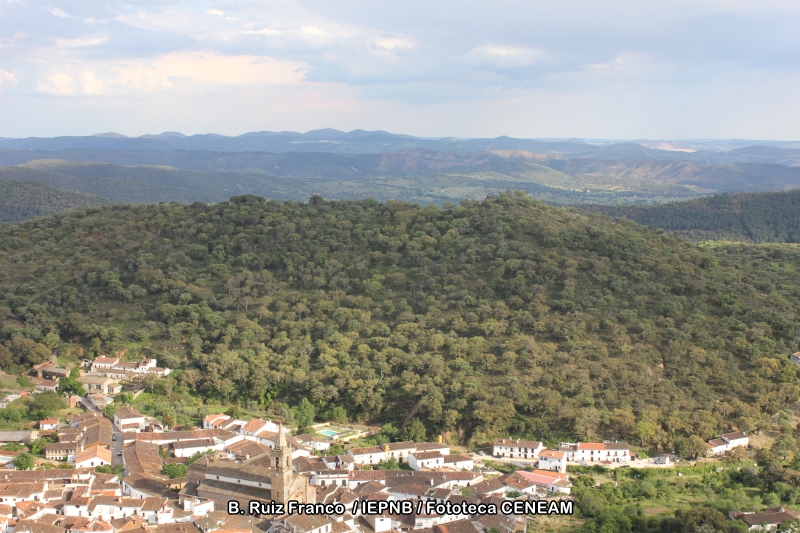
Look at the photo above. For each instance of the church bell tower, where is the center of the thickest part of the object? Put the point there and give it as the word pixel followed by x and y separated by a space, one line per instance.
pixel 282 463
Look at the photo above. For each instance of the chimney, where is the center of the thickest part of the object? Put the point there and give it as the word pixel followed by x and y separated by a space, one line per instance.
pixel 81 447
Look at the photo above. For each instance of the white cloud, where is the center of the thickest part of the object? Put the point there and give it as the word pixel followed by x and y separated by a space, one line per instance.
pixel 7 79
pixel 215 68
pixel 91 85
pixel 393 44
pixel 421 67
pixel 58 12
pixel 181 72
pixel 80 42
pixel 625 61
pixel 59 83
pixel 505 56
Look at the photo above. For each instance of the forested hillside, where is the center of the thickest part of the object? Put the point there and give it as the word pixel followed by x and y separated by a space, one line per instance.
pixel 23 201
pixel 757 217
pixel 484 319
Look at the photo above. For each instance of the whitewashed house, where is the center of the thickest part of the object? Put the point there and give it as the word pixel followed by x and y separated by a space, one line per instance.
pixel 129 419
pixel 517 448
pixel 553 460
pixel 728 441
pixel 458 462
pixel 614 452
pixel 425 460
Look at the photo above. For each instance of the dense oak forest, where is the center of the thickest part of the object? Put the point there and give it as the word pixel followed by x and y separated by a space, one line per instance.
pixel 23 201
pixel 483 319
pixel 754 217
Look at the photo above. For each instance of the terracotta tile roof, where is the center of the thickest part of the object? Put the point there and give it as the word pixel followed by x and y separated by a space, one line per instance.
pixel 518 443
pixel 431 446
pixel 549 473
pixel 775 515
pixel 254 425
pixel 456 458
pixel 366 451
pixel 24 489
pixel 591 446
pixel 128 412
pixel 305 522
pixel 34 526
pixel 459 526
pixel 405 445
pixel 410 488
pixel 551 454
pixel 93 452
pixel 427 455
pixel 485 487
pixel 197 443
pixel 170 436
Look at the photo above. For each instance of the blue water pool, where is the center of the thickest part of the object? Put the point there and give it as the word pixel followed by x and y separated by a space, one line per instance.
pixel 328 432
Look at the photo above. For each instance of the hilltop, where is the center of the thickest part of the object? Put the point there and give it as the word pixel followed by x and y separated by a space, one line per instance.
pixel 23 201
pixel 484 319
pixel 753 217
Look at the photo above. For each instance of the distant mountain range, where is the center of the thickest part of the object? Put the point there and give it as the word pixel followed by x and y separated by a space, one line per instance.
pixel 374 142
pixel 171 167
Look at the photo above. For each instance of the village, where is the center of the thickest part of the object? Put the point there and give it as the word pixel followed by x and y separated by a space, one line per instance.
pixel 181 481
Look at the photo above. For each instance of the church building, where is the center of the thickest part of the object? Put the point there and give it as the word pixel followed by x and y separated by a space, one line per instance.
pixel 267 477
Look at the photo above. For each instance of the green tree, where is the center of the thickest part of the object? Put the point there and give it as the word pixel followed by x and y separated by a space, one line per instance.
pixel 339 414
pixel 24 461
pixel 415 431
pixel 174 470
pixel 37 446
pixel 109 469
pixel 304 414
pixel 697 446
pixel 44 405
pixel 591 504
pixel 71 384
pixel 388 464
pixel 784 446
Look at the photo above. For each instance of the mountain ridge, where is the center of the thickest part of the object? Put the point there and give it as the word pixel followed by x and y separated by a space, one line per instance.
pixel 484 319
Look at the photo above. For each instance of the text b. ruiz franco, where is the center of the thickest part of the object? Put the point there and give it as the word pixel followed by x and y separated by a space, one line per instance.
pixel 404 507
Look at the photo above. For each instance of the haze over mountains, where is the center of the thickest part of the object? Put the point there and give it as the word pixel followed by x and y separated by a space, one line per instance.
pixel 375 164
pixel 364 142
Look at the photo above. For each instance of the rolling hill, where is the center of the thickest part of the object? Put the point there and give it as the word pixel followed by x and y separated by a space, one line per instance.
pixel 378 142
pixel 23 201
pixel 485 319
pixel 419 176
pixel 755 217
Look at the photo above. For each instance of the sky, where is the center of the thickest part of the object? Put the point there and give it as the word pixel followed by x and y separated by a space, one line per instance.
pixel 617 69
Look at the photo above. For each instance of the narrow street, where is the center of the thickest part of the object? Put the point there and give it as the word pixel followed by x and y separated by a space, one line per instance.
pixel 116 447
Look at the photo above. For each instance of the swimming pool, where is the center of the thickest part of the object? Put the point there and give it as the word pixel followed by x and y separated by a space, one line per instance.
pixel 328 432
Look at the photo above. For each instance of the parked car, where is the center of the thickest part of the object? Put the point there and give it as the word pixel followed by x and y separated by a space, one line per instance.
pixel 481 453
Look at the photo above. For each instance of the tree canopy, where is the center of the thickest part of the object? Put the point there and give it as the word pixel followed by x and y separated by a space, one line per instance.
pixel 478 320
